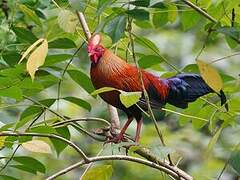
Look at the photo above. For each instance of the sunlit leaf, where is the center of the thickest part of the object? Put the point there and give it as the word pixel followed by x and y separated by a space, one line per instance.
pixel 101 172
pixel 130 98
pixel 149 60
pixel 37 146
pixel 2 140
pixel 172 13
pixel 160 17
pixel 210 76
pixel 30 13
pixel 67 21
pixel 102 90
pixel 188 22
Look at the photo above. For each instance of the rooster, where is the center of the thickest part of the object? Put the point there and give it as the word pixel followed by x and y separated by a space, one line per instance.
pixel 109 70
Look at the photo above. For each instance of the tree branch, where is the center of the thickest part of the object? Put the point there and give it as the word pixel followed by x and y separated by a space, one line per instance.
pixel 199 10
pixel 80 152
pixel 174 174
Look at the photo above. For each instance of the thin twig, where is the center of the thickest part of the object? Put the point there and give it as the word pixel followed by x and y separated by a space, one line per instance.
pixel 82 119
pixel 90 164
pixel 144 89
pixel 199 10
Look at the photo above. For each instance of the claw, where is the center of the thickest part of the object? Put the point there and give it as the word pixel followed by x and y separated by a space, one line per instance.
pixel 117 139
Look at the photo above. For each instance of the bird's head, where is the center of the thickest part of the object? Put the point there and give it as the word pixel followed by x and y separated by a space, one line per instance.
pixel 95 49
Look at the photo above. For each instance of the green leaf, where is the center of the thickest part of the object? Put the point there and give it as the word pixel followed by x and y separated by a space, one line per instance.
pixel 102 90
pixel 139 14
pixel 140 3
pixel 213 141
pixel 62 43
pixel 12 92
pixel 30 14
pixel 32 111
pixel 149 60
pixel 82 79
pixel 24 168
pixel 232 32
pixel 189 19
pixel 101 172
pixel 5 177
pixel 160 17
pixel 234 161
pixel 129 98
pixel 79 5
pixel 43 129
pixel 146 43
pixel 56 58
pixel 59 145
pixel 30 162
pixel 11 57
pixel 102 5
pixel 80 102
pixel 231 42
pixel 172 12
pixel 67 21
pixel 115 27
pixel 22 37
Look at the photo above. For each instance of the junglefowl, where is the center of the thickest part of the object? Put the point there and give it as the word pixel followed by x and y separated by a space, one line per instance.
pixel 109 70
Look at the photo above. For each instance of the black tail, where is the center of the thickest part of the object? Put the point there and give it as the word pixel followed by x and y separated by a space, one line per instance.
pixel 185 88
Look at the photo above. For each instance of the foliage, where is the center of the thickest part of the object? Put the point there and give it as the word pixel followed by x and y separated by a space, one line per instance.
pixel 44 80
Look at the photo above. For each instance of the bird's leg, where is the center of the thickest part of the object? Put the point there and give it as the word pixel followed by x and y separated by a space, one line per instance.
pixel 138 131
pixel 118 138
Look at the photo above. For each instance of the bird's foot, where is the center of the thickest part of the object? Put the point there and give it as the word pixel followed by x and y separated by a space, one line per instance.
pixel 116 139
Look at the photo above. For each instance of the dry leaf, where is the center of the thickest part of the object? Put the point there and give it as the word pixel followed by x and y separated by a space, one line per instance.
pixel 37 58
pixel 210 75
pixel 38 146
pixel 30 49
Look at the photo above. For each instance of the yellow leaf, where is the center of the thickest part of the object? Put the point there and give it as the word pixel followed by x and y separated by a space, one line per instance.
pixel 67 21
pixel 30 49
pixel 38 146
pixel 2 141
pixel 210 76
pixel 37 58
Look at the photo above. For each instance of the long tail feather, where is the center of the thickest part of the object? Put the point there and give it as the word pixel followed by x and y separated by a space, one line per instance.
pixel 185 88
